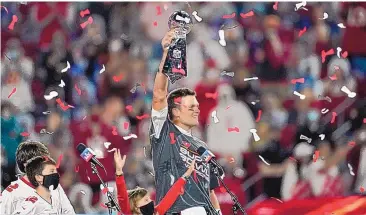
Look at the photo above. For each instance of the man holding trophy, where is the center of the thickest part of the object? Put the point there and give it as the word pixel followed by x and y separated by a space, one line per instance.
pixel 173 116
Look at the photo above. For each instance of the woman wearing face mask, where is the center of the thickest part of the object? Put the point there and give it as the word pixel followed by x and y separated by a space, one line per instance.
pixel 42 174
pixel 137 201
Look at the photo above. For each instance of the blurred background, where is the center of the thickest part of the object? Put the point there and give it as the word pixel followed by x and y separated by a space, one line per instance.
pixel 120 51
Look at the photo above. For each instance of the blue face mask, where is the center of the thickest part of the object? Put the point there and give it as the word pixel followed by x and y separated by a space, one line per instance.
pixel 12 54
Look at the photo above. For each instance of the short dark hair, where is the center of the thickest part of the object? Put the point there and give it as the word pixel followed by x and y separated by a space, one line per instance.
pixel 29 149
pixel 35 166
pixel 177 93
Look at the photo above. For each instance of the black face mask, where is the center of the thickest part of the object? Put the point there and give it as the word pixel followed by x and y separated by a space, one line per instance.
pixel 148 209
pixel 51 179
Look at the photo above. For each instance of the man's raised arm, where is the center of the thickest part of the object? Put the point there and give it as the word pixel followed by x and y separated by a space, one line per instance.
pixel 161 81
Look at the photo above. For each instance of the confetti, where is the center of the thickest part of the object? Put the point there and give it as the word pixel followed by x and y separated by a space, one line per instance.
pixel 259 116
pixel 352 143
pixel 255 135
pixel 62 83
pixel 301 32
pixel 211 95
pixel 326 53
pixel 362 189
pixel 199 19
pixel 334 115
pixel 302 97
pixel 84 12
pixel 59 161
pixel 145 116
pixel 51 95
pixel 324 110
pixel 214 116
pixel 11 25
pixel 222 37
pixel 248 79
pixel 118 78
pixel 155 23
pixel 351 170
pixel 236 129
pixel 133 90
pixel 303 137
pixel 44 131
pixel 344 54
pixel 77 89
pixel 264 161
pixel 102 70
pixel 12 92
pixel 231 74
pixel 171 179
pixel 325 16
pixel 166 6
pixel 229 16
pixel 158 10
pixel 172 138
pixel 300 5
pixel 76 168
pixel 327 98
pixel 83 192
pixel 316 156
pixel 107 144
pixel 322 136
pixel 178 100
pixel 231 160
pixel 246 15
pixel 275 5
pixel 126 125
pixel 6 9
pixel 186 144
pixel 129 108
pixel 46 112
pixel 62 105
pixel 24 134
pixel 341 25
pixel 349 93
pixel 298 80
pixel 130 136
pixel 114 130
pixel 89 21
pixel 66 68
pixel 228 107
pixel 255 102
pixel 112 150
pixel 276 199
pixel 333 77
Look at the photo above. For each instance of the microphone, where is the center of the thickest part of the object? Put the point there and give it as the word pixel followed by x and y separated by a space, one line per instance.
pixel 209 157
pixel 88 154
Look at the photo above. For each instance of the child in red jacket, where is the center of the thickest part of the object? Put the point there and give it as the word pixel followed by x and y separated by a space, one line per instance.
pixel 137 201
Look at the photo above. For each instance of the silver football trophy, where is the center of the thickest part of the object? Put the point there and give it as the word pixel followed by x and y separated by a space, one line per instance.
pixel 175 66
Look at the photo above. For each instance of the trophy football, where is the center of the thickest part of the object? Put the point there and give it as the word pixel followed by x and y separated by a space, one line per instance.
pixel 175 66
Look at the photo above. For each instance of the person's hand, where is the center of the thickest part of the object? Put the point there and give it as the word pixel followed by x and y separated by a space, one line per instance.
pixel 119 162
pixel 190 169
pixel 165 43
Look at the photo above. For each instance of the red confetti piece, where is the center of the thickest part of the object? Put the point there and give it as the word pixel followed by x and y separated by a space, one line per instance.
pixel 211 95
pixel 246 15
pixel 77 89
pixel 105 190
pixel 76 168
pixel 325 54
pixel 301 32
pixel 129 108
pixel 186 144
pixel 298 80
pixel 6 9
pixel 11 25
pixel 178 100
pixel 89 21
pixel 155 23
pixel 352 143
pixel 333 77
pixel 275 5
pixel 259 116
pixel 114 131
pixel 158 10
pixel 362 189
pixel 316 155
pixel 24 134
pixel 126 125
pixel 84 12
pixel 228 107
pixel 172 138
pixel 231 160
pixel 276 199
pixel 345 54
pixel 334 115
pixel 118 78
pixel 62 105
pixel 229 16
pixel 143 116
pixel 236 129
pixel 59 161
pixel 12 92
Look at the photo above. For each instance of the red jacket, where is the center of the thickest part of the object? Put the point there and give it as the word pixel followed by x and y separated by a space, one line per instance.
pixel 168 200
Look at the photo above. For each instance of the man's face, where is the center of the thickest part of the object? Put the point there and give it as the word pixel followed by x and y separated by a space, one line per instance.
pixel 188 112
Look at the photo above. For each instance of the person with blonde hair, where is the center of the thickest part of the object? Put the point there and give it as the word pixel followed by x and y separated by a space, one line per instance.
pixel 137 200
